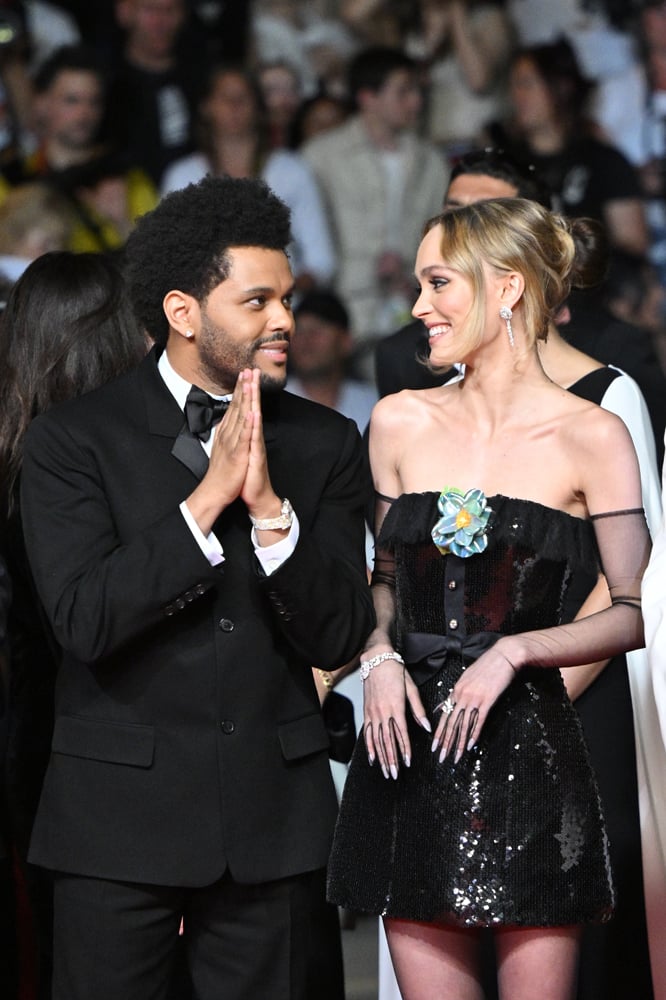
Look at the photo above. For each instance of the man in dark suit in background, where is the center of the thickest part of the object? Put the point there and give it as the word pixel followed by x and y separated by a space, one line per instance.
pixel 193 571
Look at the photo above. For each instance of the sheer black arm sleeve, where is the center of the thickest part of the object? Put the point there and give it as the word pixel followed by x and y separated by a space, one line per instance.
pixel 624 547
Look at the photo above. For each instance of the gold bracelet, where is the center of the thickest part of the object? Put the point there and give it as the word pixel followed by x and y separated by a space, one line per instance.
pixel 326 678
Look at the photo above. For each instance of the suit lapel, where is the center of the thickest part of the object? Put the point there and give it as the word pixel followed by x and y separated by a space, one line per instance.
pixel 165 418
pixel 187 449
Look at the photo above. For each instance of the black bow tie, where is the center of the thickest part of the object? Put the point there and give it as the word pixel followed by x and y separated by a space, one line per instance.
pixel 202 412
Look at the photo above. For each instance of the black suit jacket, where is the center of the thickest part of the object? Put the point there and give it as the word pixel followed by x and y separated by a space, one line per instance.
pixel 188 735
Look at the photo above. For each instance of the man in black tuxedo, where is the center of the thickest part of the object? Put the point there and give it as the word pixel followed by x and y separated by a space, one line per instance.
pixel 193 574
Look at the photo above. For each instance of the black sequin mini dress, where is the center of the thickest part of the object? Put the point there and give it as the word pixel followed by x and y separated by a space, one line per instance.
pixel 513 833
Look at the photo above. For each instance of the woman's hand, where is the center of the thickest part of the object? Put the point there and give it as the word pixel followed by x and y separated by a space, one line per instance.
pixel 387 690
pixel 466 708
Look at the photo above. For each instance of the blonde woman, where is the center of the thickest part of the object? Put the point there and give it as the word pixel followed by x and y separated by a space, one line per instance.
pixel 470 801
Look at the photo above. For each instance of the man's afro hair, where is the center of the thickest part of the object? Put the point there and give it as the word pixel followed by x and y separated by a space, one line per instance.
pixel 183 243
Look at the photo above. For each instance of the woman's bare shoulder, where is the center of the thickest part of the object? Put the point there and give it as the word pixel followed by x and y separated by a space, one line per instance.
pixel 593 426
pixel 402 407
pixel 409 404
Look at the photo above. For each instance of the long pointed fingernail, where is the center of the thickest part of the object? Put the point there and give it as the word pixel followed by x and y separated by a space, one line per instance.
pixel 394 772
pixel 371 759
pixel 471 744
pixel 408 760
pixel 442 755
pixel 435 744
pixel 426 724
pixel 384 771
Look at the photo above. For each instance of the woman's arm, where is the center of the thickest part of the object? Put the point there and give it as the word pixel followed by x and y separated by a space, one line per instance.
pixel 610 484
pixel 387 689
pixel 580 678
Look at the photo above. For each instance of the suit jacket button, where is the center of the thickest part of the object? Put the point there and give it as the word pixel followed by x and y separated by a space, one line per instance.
pixel 226 625
pixel 227 727
pixel 180 603
pixel 199 589
pixel 169 610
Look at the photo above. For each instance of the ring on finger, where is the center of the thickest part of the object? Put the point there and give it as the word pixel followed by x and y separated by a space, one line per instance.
pixel 447 706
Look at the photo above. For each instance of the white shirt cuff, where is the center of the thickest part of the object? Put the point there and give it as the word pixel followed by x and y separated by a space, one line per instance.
pixel 208 544
pixel 271 557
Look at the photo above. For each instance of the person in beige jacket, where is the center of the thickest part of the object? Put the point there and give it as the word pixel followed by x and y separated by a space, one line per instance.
pixel 380 181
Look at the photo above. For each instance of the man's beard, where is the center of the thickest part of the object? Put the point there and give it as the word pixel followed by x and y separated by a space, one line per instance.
pixel 222 361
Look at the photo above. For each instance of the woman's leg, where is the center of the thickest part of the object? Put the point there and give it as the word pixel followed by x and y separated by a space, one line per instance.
pixel 433 962
pixel 537 963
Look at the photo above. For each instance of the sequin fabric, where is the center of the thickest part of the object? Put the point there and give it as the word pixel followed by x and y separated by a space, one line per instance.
pixel 512 834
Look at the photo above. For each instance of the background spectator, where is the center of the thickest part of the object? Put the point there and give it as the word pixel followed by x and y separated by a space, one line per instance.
pixel 634 294
pixel 463 47
pixel 155 88
pixel 652 33
pixel 34 219
pixel 317 115
pixel 104 189
pixel 15 84
pixel 380 181
pixel 49 27
pixel 549 128
pixel 234 142
pixel 376 22
pixel 311 37
pixel 600 32
pixel 282 95
pixel 319 358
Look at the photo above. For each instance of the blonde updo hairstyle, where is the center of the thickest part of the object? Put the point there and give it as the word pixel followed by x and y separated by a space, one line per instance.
pixel 552 253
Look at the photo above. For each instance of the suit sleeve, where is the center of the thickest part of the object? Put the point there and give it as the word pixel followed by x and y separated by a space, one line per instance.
pixel 320 594
pixel 99 590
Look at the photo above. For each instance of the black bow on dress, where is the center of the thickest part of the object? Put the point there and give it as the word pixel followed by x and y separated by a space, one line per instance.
pixel 425 653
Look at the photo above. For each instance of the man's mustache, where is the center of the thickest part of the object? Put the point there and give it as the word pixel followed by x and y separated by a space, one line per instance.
pixel 275 338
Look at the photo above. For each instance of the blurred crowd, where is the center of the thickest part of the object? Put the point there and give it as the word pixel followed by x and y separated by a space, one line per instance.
pixel 359 114
pixel 353 111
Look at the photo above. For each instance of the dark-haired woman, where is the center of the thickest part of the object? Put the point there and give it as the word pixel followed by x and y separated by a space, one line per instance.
pixel 549 129
pixel 66 329
pixel 471 802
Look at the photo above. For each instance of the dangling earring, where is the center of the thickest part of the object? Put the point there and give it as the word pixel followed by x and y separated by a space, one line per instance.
pixel 506 313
